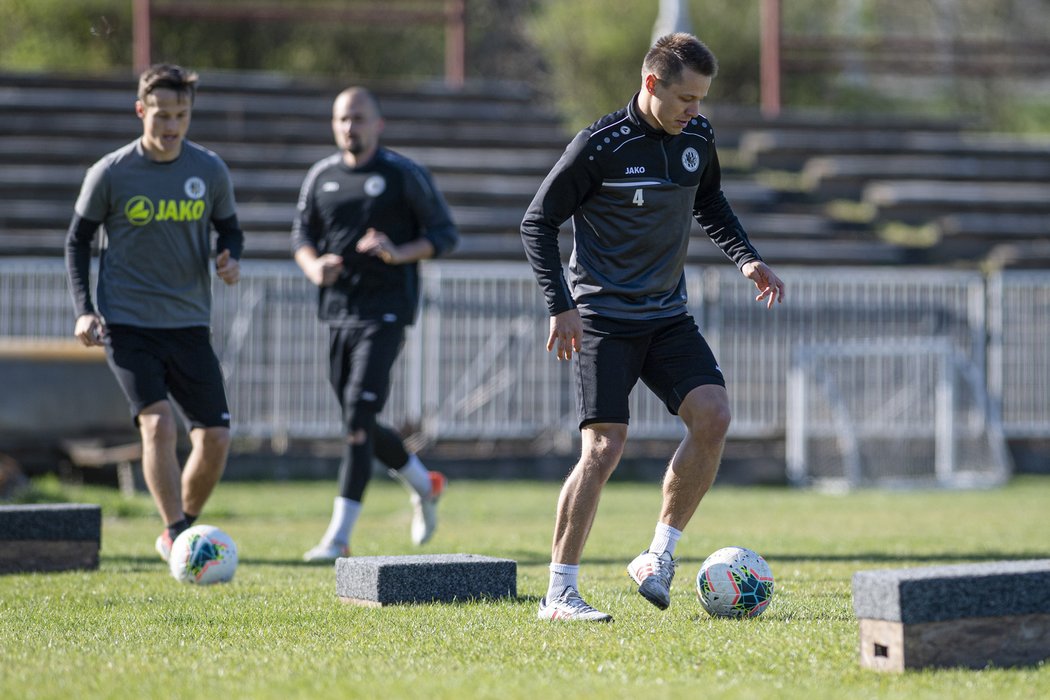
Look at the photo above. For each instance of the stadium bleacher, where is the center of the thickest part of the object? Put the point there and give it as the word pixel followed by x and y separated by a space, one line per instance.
pixel 269 129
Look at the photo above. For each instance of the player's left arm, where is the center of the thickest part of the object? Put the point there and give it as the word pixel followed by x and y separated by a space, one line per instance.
pixel 713 212
pixel 432 212
pixel 228 248
pixel 229 243
pixel 438 234
pixel 378 244
pixel 770 287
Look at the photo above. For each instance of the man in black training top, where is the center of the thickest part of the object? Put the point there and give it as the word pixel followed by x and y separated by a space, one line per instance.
pixel 158 198
pixel 631 182
pixel 366 216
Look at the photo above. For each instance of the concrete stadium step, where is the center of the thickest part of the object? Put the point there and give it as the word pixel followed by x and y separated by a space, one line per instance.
pixel 731 122
pixel 917 202
pixel 43 150
pixel 420 131
pixel 783 149
pixel 828 177
pixel 995 227
pixel 281 97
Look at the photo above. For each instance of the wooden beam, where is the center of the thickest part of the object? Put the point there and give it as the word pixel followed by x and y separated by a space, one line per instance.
pixel 451 13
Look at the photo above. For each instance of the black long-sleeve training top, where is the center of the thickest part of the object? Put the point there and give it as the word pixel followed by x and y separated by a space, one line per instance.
pixel 630 190
pixel 338 204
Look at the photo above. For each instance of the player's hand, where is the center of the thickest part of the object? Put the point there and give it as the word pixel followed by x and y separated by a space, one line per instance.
pixel 325 270
pixel 770 287
pixel 89 329
pixel 376 243
pixel 566 333
pixel 227 268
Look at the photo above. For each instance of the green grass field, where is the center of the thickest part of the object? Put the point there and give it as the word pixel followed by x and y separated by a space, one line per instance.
pixel 278 630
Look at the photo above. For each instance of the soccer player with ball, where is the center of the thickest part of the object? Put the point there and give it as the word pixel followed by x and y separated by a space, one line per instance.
pixel 632 182
pixel 159 198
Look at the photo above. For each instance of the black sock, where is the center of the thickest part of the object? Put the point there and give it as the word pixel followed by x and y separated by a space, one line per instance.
pixel 190 519
pixel 177 528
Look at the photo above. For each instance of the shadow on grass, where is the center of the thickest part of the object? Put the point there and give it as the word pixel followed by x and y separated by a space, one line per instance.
pixel 146 563
pixel 860 557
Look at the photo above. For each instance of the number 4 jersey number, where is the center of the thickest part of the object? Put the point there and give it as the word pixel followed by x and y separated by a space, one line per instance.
pixel 639 199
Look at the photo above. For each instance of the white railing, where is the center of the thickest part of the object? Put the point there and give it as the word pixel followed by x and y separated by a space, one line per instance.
pixel 475 367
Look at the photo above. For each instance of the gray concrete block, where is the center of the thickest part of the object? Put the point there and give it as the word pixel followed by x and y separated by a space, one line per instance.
pixel 49 537
pixel 424 578
pixel 51 521
pixel 938 593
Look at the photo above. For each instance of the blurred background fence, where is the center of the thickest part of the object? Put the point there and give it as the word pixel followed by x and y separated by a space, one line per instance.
pixel 474 366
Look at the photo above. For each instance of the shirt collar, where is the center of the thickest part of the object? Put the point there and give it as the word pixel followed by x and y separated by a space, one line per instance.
pixel 635 116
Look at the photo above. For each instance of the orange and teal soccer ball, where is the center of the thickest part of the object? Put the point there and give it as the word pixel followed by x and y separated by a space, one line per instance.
pixel 734 582
pixel 203 554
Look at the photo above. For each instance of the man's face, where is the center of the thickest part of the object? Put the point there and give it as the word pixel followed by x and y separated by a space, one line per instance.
pixel 672 105
pixel 356 125
pixel 165 116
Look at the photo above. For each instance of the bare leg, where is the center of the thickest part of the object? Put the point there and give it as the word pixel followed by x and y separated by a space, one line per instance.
pixel 692 470
pixel 204 466
pixel 160 464
pixel 578 503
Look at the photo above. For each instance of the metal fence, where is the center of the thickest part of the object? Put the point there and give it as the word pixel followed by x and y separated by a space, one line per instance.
pixel 912 413
pixel 1019 351
pixel 475 366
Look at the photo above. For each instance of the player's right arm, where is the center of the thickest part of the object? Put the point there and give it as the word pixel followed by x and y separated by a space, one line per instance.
pixel 322 270
pixel 88 328
pixel 307 234
pixel 89 212
pixel 569 183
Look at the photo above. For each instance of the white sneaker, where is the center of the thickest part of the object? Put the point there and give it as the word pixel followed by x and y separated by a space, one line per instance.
pixel 327 551
pixel 570 606
pixel 163 545
pixel 424 509
pixel 653 575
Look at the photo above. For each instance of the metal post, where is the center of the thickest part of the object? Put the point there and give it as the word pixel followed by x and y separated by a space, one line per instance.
pixel 770 58
pixel 672 17
pixel 140 35
pixel 455 43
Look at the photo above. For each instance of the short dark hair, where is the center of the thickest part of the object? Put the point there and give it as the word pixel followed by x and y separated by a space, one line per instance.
pixel 167 76
pixel 673 52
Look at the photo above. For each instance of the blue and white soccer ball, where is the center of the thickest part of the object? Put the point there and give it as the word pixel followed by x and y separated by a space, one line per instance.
pixel 203 554
pixel 734 582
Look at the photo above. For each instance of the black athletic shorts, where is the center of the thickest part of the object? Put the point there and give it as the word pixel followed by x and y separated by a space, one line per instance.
pixel 361 355
pixel 669 355
pixel 155 364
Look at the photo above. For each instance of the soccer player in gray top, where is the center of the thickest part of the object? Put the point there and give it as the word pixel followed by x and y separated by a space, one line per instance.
pixel 158 199
pixel 366 217
pixel 632 182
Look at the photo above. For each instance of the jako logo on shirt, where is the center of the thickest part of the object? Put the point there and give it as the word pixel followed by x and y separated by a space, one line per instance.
pixel 140 210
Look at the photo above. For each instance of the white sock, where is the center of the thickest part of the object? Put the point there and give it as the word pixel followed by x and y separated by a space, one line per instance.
pixel 414 476
pixel 665 539
pixel 562 576
pixel 344 515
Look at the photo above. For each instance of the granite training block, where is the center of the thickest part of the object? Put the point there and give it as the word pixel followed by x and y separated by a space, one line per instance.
pixel 379 581
pixel 50 537
pixel 970 615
